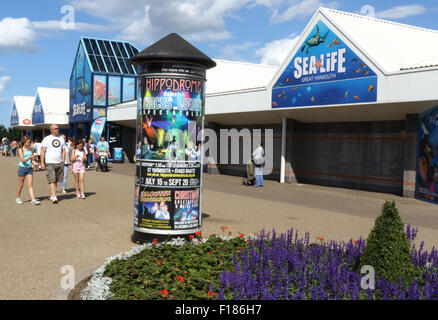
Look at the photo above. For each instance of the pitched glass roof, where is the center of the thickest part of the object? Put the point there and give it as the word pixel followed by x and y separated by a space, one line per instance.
pixel 110 56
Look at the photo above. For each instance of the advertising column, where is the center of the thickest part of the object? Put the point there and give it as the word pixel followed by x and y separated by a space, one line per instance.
pixel 170 116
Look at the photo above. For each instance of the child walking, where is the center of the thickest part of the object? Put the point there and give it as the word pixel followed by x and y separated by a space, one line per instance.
pixel 25 170
pixel 78 160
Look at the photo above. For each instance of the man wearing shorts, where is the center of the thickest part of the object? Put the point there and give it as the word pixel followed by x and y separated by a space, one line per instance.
pixel 52 158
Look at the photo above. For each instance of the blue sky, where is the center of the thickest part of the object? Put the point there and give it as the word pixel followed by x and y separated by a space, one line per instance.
pixel 38 44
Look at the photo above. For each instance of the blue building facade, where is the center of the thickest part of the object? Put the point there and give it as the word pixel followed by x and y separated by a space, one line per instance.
pixel 101 77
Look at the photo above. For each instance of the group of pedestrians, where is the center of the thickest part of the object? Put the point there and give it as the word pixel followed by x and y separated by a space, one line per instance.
pixel 58 157
pixel 9 147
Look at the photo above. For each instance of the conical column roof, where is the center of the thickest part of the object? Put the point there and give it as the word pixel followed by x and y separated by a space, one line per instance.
pixel 173 48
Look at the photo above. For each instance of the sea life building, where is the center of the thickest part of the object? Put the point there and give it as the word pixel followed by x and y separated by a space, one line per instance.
pixel 50 107
pixel 353 105
pixel 101 77
pixel 21 114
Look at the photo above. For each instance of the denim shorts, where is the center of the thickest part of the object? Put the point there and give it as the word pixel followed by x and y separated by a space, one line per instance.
pixel 22 171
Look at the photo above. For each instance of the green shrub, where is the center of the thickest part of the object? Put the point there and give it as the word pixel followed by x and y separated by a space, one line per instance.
pixel 187 272
pixel 387 249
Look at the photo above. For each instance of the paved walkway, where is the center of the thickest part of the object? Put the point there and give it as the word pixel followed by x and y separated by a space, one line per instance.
pixel 35 242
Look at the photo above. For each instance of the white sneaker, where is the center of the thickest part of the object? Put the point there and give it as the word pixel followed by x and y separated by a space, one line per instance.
pixel 63 191
pixel 83 196
pixel 54 199
pixel 35 202
pixel 18 201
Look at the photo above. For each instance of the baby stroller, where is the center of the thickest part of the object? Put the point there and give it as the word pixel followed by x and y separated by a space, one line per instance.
pixel 250 176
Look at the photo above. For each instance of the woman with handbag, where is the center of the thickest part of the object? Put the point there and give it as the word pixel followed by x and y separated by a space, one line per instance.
pixel 259 162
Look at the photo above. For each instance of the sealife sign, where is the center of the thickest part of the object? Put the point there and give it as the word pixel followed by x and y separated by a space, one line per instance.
pixel 324 71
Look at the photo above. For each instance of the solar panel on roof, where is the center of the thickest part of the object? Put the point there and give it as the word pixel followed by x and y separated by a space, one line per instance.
pixel 128 47
pixel 109 64
pixel 122 65
pixel 116 49
pixel 94 46
pixel 115 65
pixel 88 46
pixel 102 47
pixel 130 67
pixel 122 50
pixel 110 56
pixel 100 63
pixel 134 50
pixel 93 63
pixel 109 49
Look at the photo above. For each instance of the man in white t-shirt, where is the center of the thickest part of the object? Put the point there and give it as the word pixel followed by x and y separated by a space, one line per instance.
pixel 53 157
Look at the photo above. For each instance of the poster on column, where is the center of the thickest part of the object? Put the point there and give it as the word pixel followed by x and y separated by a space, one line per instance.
pixel 168 155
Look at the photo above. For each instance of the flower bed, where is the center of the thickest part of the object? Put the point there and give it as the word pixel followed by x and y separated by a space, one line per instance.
pixel 268 266
pixel 174 270
pixel 288 267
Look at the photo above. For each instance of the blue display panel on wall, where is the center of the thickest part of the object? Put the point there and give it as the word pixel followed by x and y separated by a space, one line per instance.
pixel 128 89
pixel 38 112
pixel 324 71
pixel 14 120
pixel 114 90
pixel 80 89
pixel 99 96
pixel 427 170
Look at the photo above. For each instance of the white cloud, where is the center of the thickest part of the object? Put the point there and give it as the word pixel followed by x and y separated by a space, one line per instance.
pixel 20 34
pixel 401 12
pixel 2 70
pixel 16 34
pixel 146 21
pixel 231 51
pixel 301 9
pixel 54 25
pixel 4 82
pixel 275 52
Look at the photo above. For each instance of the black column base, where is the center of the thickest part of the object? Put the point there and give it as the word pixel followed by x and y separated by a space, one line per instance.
pixel 141 238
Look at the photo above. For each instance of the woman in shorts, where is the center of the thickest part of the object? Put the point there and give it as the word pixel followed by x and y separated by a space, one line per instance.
pixel 78 160
pixel 25 170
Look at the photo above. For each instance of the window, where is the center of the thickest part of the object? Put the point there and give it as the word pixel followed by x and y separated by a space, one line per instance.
pixel 109 49
pixel 134 50
pixel 88 46
pixel 94 63
pixel 116 49
pixel 94 45
pixel 122 50
pixel 102 47
pixel 122 65
pixel 100 63
pixel 129 66
pixel 115 65
pixel 109 64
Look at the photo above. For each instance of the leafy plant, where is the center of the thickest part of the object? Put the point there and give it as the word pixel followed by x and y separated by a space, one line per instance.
pixel 190 271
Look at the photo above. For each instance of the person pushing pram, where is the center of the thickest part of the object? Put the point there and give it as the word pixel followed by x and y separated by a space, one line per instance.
pixel 249 180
